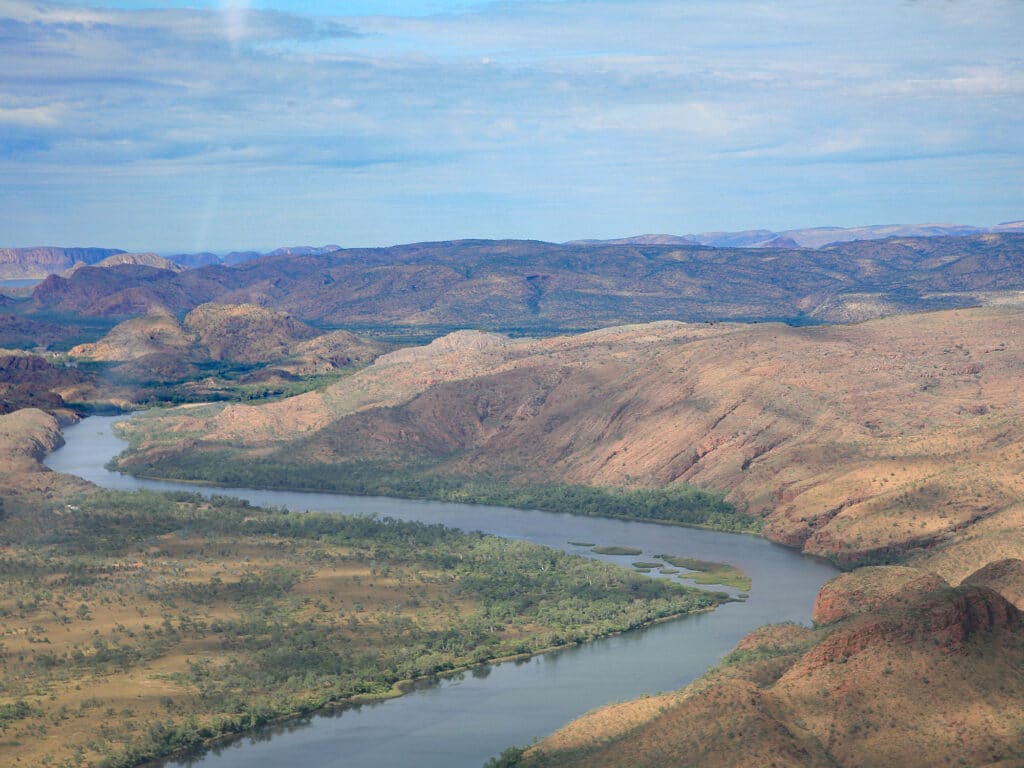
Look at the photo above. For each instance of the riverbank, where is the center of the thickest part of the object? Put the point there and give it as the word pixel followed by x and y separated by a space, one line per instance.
pixel 137 625
pixel 678 504
pixel 238 617
pixel 398 689
pixel 542 692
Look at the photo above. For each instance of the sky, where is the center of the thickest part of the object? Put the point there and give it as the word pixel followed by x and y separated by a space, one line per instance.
pixel 192 126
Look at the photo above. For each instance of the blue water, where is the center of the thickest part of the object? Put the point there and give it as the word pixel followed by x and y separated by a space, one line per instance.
pixel 465 720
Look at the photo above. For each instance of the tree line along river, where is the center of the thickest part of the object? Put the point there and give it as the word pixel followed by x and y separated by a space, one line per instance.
pixel 460 722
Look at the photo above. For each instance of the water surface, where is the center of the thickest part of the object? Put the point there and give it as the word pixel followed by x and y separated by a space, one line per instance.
pixel 461 722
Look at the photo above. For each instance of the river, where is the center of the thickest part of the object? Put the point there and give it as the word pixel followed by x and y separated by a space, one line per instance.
pixel 462 721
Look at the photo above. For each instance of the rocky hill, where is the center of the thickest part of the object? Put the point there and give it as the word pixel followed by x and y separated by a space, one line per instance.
pixel 159 333
pixel 32 381
pixel 902 670
pixel 158 345
pixel 893 439
pixel 125 290
pixel 245 332
pixel 218 352
pixel 540 287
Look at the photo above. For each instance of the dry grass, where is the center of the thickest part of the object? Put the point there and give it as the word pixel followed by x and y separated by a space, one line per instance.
pixel 138 603
pixel 608 723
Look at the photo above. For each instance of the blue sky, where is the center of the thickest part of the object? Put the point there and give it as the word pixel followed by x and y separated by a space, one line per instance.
pixel 226 125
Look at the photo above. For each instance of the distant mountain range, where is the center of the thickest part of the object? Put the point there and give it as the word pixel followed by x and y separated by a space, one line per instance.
pixel 205 258
pixel 536 287
pixel 38 262
pixel 814 237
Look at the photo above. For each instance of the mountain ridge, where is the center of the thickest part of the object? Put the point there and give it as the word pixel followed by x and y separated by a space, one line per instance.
pixel 537 287
pixel 36 262
pixel 924 471
pixel 809 237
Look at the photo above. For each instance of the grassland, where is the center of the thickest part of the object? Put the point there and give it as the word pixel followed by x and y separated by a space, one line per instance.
pixel 135 625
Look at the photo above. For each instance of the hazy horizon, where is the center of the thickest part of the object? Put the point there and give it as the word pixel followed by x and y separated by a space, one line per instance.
pixel 248 126
pixel 266 249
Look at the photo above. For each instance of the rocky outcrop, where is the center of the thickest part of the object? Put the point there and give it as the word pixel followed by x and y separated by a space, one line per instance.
pixel 1004 576
pixel 916 677
pixel 946 617
pixel 869 588
pixel 245 332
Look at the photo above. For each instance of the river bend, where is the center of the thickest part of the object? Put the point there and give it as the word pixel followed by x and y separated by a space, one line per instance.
pixel 462 721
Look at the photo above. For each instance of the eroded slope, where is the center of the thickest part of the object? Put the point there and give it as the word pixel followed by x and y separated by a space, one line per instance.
pixel 893 438
pixel 915 676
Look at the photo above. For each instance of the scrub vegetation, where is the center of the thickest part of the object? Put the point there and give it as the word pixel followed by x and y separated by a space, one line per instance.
pixel 137 625
pixel 679 504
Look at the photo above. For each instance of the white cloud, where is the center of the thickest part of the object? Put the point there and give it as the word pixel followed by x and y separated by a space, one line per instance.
pixel 454 106
pixel 968 83
pixel 30 116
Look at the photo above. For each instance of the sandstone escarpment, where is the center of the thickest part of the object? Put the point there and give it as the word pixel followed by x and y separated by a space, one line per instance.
pixel 947 617
pixel 38 262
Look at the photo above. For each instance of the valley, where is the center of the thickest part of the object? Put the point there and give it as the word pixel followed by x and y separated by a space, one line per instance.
pixel 136 625
pixel 888 443
pixel 925 467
